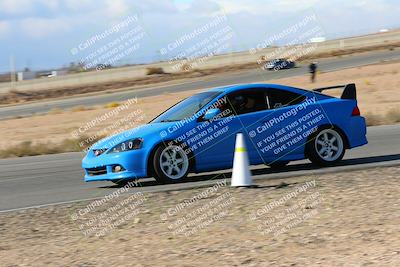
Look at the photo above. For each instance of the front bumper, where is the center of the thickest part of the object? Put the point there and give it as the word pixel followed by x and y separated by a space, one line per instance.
pixel 100 168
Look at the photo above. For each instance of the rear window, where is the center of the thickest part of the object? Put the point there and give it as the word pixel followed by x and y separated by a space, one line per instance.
pixel 282 98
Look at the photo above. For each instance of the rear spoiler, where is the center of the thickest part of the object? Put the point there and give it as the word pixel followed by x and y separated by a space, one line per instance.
pixel 349 91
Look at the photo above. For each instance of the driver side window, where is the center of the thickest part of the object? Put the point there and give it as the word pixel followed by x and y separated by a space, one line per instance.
pixel 245 101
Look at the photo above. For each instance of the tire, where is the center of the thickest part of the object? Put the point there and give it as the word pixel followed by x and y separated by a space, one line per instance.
pixel 326 147
pixel 277 165
pixel 170 164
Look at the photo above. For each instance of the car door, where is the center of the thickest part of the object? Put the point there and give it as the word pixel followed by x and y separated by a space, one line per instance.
pixel 275 133
pixel 239 109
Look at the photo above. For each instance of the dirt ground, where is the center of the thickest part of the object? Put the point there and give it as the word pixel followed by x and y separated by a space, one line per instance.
pixel 340 219
pixel 377 88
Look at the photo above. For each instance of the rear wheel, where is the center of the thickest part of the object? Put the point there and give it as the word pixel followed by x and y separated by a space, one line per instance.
pixel 170 164
pixel 326 147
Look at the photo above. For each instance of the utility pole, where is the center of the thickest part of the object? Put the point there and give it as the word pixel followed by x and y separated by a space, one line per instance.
pixel 12 72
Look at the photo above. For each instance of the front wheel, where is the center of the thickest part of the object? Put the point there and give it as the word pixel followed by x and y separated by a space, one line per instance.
pixel 326 147
pixel 170 164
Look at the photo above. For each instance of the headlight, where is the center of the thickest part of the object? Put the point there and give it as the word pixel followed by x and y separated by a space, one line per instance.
pixel 127 146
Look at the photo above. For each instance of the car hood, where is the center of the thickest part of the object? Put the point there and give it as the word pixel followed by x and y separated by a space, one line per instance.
pixel 142 131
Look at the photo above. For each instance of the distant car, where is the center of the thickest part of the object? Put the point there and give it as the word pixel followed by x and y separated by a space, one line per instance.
pixel 280 124
pixel 279 64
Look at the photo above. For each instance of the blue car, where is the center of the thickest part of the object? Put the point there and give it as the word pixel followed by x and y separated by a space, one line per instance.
pixel 280 124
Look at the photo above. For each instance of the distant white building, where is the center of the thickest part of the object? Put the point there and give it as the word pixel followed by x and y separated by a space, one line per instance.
pixel 26 75
pixel 58 73
pixel 317 39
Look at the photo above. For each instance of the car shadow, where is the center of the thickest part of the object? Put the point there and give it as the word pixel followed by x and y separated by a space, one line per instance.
pixel 266 170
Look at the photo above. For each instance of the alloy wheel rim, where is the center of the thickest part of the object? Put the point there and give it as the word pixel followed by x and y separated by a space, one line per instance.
pixel 174 162
pixel 329 145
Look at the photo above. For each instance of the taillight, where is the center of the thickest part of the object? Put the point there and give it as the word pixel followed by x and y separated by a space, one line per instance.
pixel 355 112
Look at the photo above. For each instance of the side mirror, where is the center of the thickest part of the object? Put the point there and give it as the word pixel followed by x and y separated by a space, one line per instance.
pixel 211 113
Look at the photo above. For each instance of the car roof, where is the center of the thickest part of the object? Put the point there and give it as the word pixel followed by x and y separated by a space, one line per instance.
pixel 236 87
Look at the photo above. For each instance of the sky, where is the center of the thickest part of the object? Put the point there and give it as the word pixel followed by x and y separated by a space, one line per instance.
pixel 43 34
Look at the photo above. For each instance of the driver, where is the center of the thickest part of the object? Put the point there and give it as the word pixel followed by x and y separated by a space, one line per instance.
pixel 240 104
pixel 250 104
pixel 244 104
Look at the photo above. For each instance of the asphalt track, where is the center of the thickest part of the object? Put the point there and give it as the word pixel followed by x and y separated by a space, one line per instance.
pixel 54 179
pixel 206 82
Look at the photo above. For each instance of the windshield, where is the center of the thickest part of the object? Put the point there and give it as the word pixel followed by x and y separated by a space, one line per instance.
pixel 186 108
